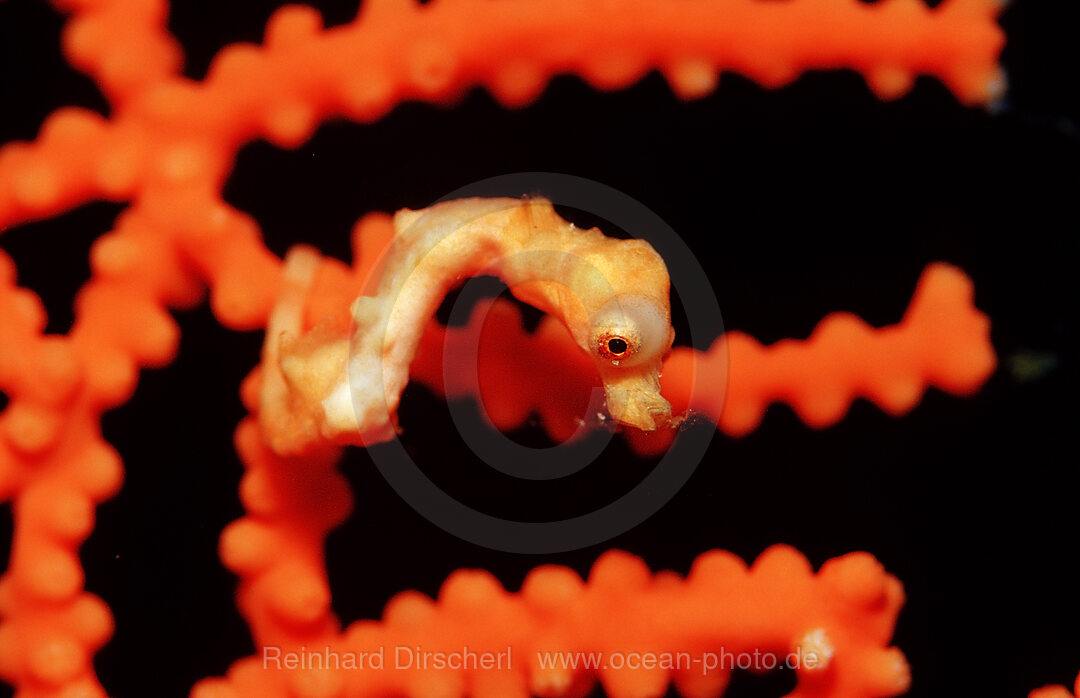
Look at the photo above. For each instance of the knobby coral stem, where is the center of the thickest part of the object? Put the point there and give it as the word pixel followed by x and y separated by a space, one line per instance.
pixel 942 341
pixel 172 129
pixel 1056 691
pixel 55 466
pixel 556 637
pixel 122 44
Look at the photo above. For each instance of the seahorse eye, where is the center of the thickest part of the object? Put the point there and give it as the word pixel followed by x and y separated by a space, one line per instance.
pixel 629 330
pixel 614 347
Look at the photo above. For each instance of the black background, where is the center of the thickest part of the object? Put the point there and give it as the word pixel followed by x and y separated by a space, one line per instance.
pixel 800 201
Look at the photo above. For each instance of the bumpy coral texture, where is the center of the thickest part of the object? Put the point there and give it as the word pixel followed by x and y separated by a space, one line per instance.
pixel 842 618
pixel 167 150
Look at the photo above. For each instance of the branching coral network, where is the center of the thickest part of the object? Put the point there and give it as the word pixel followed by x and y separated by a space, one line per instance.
pixel 167 150
pixel 778 606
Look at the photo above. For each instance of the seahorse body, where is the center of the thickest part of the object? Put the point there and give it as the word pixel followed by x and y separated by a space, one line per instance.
pixel 611 294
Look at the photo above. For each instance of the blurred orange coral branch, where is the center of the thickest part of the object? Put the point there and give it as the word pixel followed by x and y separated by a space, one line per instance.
pixel 1056 691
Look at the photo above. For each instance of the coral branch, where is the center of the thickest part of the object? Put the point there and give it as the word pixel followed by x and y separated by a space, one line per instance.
pixel 943 341
pixel 837 623
pixel 1055 691
pixel 55 465
pixel 172 129
pixel 122 44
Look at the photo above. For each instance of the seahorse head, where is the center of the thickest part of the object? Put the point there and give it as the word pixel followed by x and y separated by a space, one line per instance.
pixel 628 338
pixel 620 315
pixel 613 296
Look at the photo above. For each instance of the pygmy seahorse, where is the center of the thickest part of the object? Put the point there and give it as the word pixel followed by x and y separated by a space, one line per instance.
pixel 612 295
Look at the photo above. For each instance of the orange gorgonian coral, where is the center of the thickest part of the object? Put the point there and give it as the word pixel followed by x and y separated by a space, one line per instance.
pixel 168 148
